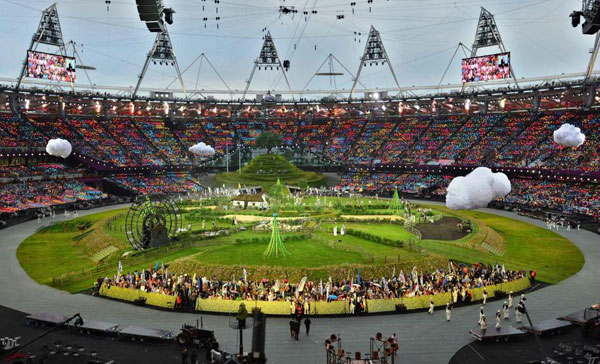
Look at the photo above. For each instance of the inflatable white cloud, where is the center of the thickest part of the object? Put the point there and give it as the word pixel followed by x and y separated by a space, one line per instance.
pixel 476 189
pixel 202 149
pixel 59 148
pixel 569 136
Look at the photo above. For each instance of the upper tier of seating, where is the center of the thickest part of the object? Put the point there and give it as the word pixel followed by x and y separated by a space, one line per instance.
pixel 514 140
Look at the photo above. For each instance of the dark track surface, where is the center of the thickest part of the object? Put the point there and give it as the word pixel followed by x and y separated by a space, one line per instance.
pixel 120 350
pixel 519 350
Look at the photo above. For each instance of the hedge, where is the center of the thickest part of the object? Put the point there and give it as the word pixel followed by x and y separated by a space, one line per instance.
pixel 375 238
pixel 130 295
pixel 317 308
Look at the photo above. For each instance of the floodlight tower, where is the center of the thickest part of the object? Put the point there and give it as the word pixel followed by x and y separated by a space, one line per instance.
pixel 267 57
pixel 373 54
pixel 590 11
pixel 488 35
pixel 48 32
pixel 163 53
pixel 156 17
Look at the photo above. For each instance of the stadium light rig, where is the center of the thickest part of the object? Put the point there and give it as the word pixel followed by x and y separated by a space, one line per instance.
pixel 590 11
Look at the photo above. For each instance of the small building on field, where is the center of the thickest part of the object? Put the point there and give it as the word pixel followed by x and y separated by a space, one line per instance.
pixel 255 201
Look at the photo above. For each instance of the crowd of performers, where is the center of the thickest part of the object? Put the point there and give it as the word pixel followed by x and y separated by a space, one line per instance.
pixel 458 280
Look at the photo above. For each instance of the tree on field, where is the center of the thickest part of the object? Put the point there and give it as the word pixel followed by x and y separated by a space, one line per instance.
pixel 268 140
pixel 278 191
pixel 303 184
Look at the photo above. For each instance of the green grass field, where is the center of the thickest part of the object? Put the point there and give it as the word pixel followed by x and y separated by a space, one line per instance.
pixel 527 247
pixel 304 253
pixel 54 252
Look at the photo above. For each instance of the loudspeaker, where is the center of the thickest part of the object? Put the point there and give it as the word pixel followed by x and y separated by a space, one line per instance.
pixel 148 10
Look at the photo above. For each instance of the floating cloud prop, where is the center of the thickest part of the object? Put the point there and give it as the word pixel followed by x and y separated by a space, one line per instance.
pixel 59 148
pixel 476 189
pixel 202 150
pixel 569 136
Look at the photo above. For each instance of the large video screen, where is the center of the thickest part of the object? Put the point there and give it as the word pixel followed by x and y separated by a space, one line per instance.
pixel 53 67
pixel 486 68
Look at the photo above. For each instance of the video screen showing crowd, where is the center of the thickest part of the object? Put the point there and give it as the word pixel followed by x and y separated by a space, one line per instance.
pixel 486 68
pixel 52 67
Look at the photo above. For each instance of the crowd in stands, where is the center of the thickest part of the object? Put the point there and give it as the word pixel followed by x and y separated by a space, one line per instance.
pixel 98 138
pixel 36 194
pixel 16 132
pixel 367 148
pixel 247 131
pixel 505 128
pixel 171 182
pixel 439 133
pixel 314 134
pixel 287 128
pixel 39 169
pixel 125 132
pixel 515 140
pixel 506 140
pixel 566 197
pixel 162 137
pixel 407 132
pixel 345 133
pixel 472 131
pixel 458 280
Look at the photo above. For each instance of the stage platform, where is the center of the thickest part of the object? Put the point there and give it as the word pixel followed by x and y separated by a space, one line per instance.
pixel 142 333
pixel 45 319
pixel 491 333
pixel 582 317
pixel 548 327
pixel 96 327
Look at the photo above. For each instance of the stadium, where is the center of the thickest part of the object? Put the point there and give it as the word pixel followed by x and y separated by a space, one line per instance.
pixel 294 181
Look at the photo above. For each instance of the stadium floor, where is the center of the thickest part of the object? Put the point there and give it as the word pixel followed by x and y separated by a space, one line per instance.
pixel 423 338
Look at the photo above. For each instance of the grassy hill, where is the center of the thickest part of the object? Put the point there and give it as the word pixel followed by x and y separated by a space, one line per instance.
pixel 266 169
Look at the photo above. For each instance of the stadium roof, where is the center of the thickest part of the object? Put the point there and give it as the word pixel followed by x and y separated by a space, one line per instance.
pixel 420 38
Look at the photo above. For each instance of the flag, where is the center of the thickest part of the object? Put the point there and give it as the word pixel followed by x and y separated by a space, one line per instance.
pixel 162 266
pixel 321 287
pixel 358 276
pixel 300 287
pixel 245 275
pixel 402 278
pixel 120 267
pixel 156 266
pixel 394 272
pixel 503 269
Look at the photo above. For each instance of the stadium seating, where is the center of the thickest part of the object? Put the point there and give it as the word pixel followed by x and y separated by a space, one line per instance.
pixel 37 194
pixel 164 141
pixel 167 183
pixel 501 140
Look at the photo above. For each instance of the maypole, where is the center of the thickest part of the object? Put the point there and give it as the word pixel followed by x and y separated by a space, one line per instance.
pixel 395 204
pixel 276 246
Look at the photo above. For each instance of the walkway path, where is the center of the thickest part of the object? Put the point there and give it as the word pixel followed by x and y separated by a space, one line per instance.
pixel 423 338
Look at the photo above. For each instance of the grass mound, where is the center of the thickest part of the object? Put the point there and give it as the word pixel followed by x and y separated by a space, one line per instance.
pixel 266 169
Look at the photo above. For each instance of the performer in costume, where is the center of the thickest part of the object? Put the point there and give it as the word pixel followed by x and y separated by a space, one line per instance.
pixel 448 311
pixel 519 310
pixel 505 311
pixel 498 320
pixel 483 323
pixel 431 306
pixel 481 314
